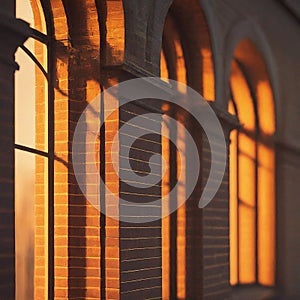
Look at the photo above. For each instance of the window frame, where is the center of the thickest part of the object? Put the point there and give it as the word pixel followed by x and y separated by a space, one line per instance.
pixel 46 39
pixel 258 289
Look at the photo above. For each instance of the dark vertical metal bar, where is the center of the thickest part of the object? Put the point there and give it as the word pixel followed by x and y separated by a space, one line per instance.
pixel 102 17
pixel 238 204
pixel 256 200
pixel 257 133
pixel 256 211
pixel 237 190
pixel 102 201
pixel 51 129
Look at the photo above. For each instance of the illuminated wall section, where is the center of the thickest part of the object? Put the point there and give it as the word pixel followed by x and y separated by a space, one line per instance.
pixel 181 217
pixel 165 210
pixel 208 73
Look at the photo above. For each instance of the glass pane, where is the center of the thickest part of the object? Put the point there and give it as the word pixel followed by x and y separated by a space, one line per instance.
pixel 31 105
pixel 39 50
pixel 266 215
pixel 31 11
pixel 247 209
pixel 31 221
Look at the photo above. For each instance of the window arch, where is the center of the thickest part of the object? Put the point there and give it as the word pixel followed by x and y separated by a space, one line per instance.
pixel 252 171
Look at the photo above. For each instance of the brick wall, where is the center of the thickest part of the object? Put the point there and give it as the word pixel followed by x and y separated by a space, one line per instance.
pixel 41 163
pixel 215 235
pixel 140 243
pixel 215 229
pixel 194 244
pixel 111 236
pixel 77 222
pixel 130 254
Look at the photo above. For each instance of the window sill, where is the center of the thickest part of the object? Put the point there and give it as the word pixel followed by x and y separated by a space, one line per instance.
pixel 252 293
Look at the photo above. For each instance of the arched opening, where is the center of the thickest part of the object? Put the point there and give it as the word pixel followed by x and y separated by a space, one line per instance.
pixel 187 49
pixel 186 57
pixel 252 171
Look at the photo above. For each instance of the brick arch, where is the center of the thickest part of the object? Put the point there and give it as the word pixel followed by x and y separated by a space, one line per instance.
pixel 144 23
pixel 251 61
pixel 191 26
pixel 56 19
pixel 39 16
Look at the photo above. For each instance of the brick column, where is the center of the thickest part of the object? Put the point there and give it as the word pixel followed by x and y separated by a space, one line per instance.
pixel 215 224
pixel 13 33
pixel 140 243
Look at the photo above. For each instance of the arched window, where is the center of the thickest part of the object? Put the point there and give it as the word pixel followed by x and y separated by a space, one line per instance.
pixel 252 171
pixel 33 158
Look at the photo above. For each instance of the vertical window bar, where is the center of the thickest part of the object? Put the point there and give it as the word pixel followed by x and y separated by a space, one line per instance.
pixel 237 188
pixel 50 174
pixel 102 202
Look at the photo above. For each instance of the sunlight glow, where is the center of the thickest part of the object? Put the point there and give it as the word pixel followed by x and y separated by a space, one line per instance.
pixel 252 184
pixel 165 210
pixel 31 176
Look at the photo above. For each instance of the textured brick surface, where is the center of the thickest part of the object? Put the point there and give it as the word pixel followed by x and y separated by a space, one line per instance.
pixel 215 236
pixel 140 243
pixel 95 256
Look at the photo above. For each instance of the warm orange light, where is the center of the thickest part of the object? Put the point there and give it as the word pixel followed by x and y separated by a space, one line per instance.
pixel 112 240
pixel 115 38
pixel 266 185
pixel 181 217
pixel 165 210
pixel 31 176
pixel 247 236
pixel 252 203
pixel 179 75
pixel 164 75
pixel 181 71
pixel 208 74
pixel 233 206
pixel 266 215
pixel 246 198
pixel 265 107
pixel 242 96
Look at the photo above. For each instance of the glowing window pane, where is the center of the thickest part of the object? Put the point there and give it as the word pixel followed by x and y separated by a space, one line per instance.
pixel 31 198
pixel 252 258
pixel 266 215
